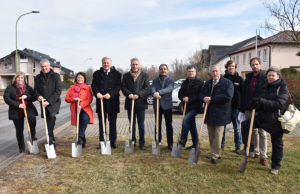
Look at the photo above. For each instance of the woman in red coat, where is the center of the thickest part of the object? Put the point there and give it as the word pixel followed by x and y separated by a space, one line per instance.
pixel 83 93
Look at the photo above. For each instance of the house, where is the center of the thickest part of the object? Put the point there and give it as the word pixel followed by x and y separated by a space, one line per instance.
pixel 278 50
pixel 219 54
pixel 28 63
pixel 70 72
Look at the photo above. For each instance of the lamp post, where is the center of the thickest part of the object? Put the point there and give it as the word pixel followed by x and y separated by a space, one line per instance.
pixel 17 36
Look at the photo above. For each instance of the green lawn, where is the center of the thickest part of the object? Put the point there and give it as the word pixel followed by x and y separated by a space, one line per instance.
pixel 143 172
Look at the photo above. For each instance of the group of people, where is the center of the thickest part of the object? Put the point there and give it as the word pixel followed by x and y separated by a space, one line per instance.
pixel 228 98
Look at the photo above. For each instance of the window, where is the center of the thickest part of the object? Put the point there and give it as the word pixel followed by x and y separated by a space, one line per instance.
pixel 233 58
pixel 5 66
pixel 33 67
pixel 259 54
pixel 10 66
pixel 265 57
pixel 237 59
pixel 250 56
pixel 244 59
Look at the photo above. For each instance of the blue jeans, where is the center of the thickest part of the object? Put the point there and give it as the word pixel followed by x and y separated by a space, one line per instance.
pixel 112 118
pixel 83 122
pixel 189 124
pixel 140 114
pixel 236 127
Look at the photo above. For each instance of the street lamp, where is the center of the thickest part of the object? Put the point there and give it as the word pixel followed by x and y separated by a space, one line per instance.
pixel 17 36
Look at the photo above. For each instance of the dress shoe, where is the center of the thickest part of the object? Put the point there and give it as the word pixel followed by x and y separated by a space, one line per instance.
pixel 214 161
pixel 80 141
pixel 264 162
pixel 170 147
pixel 191 147
pixel 113 145
pixel 142 147
pixel 181 143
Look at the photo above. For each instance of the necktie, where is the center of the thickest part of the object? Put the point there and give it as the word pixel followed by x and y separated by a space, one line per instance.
pixel 106 81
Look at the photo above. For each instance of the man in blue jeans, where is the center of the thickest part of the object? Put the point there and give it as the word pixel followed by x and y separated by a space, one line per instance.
pixel 135 86
pixel 189 93
pixel 237 81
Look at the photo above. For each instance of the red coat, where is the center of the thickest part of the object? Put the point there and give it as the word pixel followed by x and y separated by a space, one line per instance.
pixel 86 100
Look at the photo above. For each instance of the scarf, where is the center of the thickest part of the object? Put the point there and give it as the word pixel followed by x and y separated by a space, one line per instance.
pixel 20 92
pixel 77 88
pixel 135 75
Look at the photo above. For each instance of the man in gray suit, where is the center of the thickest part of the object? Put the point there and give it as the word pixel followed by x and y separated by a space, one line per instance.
pixel 162 88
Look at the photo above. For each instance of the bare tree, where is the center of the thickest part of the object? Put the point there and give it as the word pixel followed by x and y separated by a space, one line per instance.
pixel 196 60
pixel 178 69
pixel 89 76
pixel 287 16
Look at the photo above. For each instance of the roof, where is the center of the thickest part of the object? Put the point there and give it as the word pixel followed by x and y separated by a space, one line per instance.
pixel 279 38
pixel 222 51
pixel 64 70
pixel 35 55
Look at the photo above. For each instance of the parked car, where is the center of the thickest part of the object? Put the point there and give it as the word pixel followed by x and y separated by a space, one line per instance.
pixel 177 104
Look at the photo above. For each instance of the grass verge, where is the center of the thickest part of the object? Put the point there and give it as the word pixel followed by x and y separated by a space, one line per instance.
pixel 142 172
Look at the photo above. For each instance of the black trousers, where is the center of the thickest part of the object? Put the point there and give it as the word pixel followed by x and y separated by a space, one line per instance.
pixel 276 139
pixel 19 124
pixel 51 118
pixel 168 120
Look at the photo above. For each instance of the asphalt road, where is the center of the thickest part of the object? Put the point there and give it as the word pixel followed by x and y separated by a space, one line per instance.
pixel 8 142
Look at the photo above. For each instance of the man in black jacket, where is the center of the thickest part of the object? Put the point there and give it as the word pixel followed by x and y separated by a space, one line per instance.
pixel 47 85
pixel 135 86
pixel 237 81
pixel 106 85
pixel 217 93
pixel 189 93
pixel 252 90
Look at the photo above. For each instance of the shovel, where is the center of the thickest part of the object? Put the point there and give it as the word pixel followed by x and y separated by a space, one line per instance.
pixel 176 150
pixel 155 144
pixel 77 148
pixel 195 152
pixel 245 155
pixel 129 144
pixel 49 148
pixel 105 145
pixel 32 145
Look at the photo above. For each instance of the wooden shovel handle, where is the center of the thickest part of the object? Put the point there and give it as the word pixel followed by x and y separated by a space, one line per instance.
pixel 202 123
pixel 26 119
pixel 102 116
pixel 250 131
pixel 45 120
pixel 157 116
pixel 131 117
pixel 183 115
pixel 77 127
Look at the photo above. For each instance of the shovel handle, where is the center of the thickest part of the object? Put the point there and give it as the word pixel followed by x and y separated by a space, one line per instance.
pixel 202 124
pixel 102 116
pixel 26 119
pixel 45 120
pixel 77 127
pixel 183 115
pixel 157 117
pixel 131 118
pixel 250 131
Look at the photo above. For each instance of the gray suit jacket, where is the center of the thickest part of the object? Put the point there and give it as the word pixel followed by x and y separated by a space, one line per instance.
pixel 165 88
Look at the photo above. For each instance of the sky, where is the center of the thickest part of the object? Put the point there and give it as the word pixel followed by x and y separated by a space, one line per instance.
pixel 79 33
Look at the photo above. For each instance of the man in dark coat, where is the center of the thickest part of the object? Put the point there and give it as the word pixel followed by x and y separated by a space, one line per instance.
pixel 189 93
pixel 47 85
pixel 135 86
pixel 252 89
pixel 106 86
pixel 217 93
pixel 237 81
pixel 161 89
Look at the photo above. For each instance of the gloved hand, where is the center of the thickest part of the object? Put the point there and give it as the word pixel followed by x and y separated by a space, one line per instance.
pixel 255 103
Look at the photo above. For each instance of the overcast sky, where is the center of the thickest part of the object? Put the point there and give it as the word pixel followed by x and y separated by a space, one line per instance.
pixel 155 31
